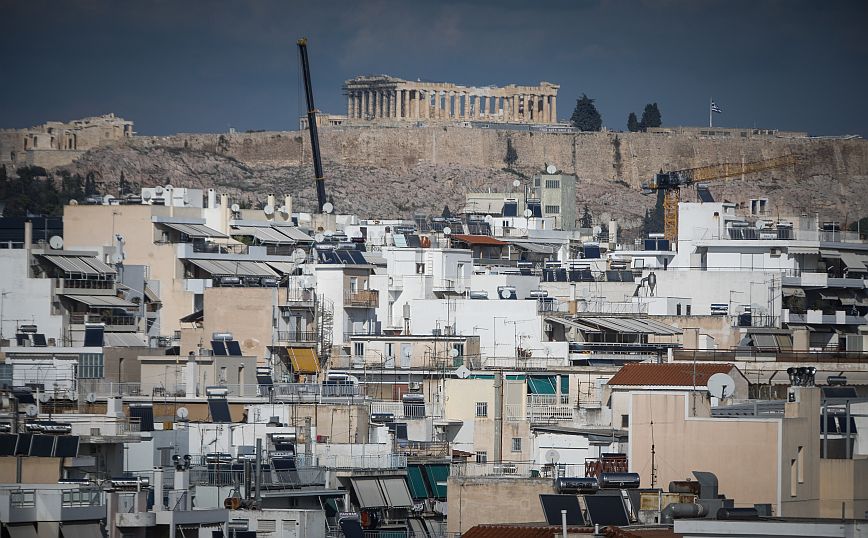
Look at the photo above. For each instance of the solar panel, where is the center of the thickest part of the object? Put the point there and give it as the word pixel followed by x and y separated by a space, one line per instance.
pixel 145 414
pixel 233 348
pixel 358 257
pixel 352 528
pixel 7 444
pixel 219 410
pixel 218 348
pixel 839 392
pixel 613 276
pixel 627 276
pixel 66 446
pixel 23 446
pixel 39 340
pixel 704 194
pixel 606 510
pixel 553 504
pixel 344 257
pixel 22 339
pixel 413 240
pixel 93 336
pixel 42 446
pixel 264 380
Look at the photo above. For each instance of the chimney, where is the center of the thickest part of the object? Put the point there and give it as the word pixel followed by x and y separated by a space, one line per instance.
pixel 212 199
pixel 287 201
pixel 28 245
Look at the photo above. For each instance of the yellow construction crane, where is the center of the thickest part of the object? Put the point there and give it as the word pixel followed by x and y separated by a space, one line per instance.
pixel 670 184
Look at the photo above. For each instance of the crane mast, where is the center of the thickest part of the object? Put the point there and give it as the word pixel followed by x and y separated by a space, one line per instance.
pixel 312 127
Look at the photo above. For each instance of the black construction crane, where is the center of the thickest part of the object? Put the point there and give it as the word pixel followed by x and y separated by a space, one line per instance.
pixel 311 125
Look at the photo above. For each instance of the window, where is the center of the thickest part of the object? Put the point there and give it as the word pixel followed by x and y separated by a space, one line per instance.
pixel 678 309
pixel 688 310
pixel 481 409
pixel 420 268
pixel 516 444
pixel 354 284
pixel 459 348
pixel 358 349
pixel 553 209
pixel 793 477
pixel 481 456
pixel 625 421
pixel 536 182
pixel 90 366
pixel 553 183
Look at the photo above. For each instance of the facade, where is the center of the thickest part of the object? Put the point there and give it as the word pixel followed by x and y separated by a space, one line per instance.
pixel 385 97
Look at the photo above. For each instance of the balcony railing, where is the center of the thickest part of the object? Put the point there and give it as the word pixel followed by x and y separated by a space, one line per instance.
pixel 25 498
pixel 362 299
pixel 83 284
pixel 362 461
pixel 403 410
pixel 82 498
pixel 297 336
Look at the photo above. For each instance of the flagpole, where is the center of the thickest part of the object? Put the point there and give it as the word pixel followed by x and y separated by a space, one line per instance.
pixel 710 101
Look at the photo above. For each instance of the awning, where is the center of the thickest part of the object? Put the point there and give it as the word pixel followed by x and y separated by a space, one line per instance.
pixel 304 360
pixel 123 340
pixel 829 253
pixel 22 531
pixel 82 265
pixel 234 268
pixel 102 301
pixel 195 231
pixel 295 234
pixel 541 385
pixel 803 250
pixel 368 492
pixel 284 268
pixel 536 248
pixel 198 315
pixel 151 295
pixel 619 325
pixel 396 492
pixel 417 482
pixel 264 234
pixel 853 262
pixel 793 292
pixel 437 475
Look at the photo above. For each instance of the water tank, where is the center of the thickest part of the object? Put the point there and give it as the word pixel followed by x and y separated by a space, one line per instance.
pixel 619 480
pixel 737 513
pixel 581 484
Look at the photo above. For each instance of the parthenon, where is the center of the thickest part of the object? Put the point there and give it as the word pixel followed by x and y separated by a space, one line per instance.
pixel 384 97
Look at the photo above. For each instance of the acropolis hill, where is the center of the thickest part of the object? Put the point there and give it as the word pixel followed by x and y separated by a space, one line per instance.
pixel 387 167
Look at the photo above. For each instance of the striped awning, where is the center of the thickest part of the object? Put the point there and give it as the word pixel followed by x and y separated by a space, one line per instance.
pixel 234 268
pixel 106 301
pixel 196 231
pixel 304 360
pixel 80 265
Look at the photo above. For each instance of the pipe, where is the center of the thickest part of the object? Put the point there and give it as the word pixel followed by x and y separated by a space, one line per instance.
pixel 680 510
pixel 158 490
pixel 258 471
pixel 564 522
pixel 287 201
pixel 28 246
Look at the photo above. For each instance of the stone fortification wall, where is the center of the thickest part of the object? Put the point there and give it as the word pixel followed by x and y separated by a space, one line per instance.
pixel 623 157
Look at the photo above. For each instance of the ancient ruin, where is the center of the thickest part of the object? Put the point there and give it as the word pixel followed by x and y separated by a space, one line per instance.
pixel 384 97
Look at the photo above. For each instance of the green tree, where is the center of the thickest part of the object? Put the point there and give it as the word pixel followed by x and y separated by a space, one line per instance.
pixel 651 117
pixel 511 155
pixel 447 213
pixel 586 117
pixel 586 220
pixel 123 185
pixel 90 185
pixel 632 123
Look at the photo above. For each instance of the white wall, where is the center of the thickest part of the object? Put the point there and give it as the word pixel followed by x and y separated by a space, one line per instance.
pixel 26 300
pixel 729 287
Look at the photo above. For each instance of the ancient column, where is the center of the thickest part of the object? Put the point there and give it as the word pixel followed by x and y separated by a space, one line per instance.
pixel 507 108
pixel 424 103
pixel 349 104
pixel 399 104
pixel 465 105
pixel 554 109
pixel 545 109
pixel 366 106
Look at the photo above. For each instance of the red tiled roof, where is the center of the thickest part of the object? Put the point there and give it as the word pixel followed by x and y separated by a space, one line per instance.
pixel 477 239
pixel 516 530
pixel 667 375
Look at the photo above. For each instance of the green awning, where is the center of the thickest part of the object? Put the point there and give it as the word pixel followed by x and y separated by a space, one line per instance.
pixel 437 475
pixel 515 377
pixel 418 489
pixel 482 376
pixel 565 384
pixel 541 385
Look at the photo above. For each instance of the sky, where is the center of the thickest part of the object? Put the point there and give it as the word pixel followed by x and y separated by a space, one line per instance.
pixel 205 66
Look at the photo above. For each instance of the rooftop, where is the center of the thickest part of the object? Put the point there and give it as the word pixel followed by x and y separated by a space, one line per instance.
pixel 668 375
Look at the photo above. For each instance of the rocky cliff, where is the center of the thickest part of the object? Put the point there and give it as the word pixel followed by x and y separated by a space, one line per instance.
pixel 398 171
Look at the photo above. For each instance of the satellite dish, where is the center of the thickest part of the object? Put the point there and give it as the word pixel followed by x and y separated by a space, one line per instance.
pixel 169 186
pixel 182 413
pixel 108 199
pixel 489 219
pixel 56 242
pixel 528 213
pixel 283 210
pixel 319 238
pixel 235 208
pixel 44 397
pixel 73 202
pixel 453 352
pixel 447 230
pixel 158 189
pixel 268 210
pixel 31 410
pixel 516 183
pixel 505 294
pixel 328 207
pixel 91 397
pixel 249 343
pixel 462 372
pixel 553 456
pixel 597 230
pixel 551 169
pixel 298 256
pixel 146 195
pixel 721 386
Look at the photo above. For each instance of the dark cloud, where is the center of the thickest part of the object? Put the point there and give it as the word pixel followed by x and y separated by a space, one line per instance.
pixel 205 65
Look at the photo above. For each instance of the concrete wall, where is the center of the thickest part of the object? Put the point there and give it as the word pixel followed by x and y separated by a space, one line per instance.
pixel 743 453
pixel 26 300
pixel 476 501
pixel 245 312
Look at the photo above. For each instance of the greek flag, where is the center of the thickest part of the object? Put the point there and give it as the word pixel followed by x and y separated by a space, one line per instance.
pixel 715 108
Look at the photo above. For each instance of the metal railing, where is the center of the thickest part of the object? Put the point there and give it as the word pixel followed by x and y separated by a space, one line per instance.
pixel 362 461
pixel 362 298
pixel 82 284
pixel 84 497
pixel 297 336
pixel 808 357
pixel 403 410
pixel 25 498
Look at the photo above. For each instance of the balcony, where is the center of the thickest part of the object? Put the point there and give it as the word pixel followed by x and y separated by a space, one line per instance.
pixel 352 462
pixel 362 299
pixel 112 323
pixel 297 298
pixel 402 410
pixel 75 286
pixel 297 337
